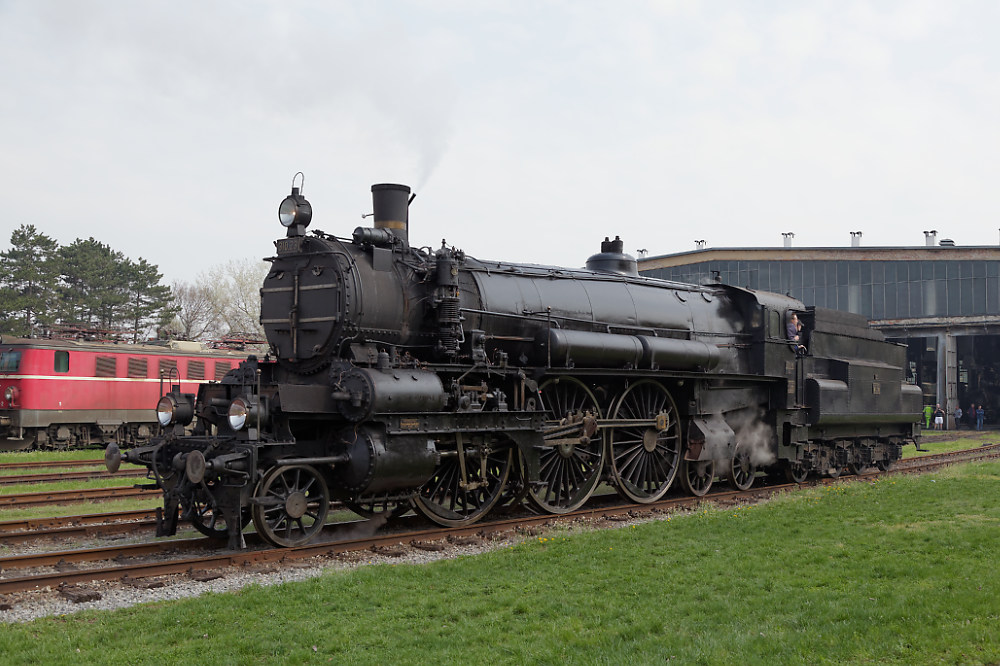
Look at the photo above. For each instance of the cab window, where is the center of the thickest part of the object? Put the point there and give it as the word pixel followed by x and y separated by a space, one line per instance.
pixel 10 361
pixel 62 361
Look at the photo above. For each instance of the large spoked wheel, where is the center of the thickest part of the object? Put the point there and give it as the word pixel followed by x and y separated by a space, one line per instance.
pixel 207 518
pixel 290 505
pixel 743 470
pixel 697 476
pixel 467 485
pixel 570 471
pixel 645 458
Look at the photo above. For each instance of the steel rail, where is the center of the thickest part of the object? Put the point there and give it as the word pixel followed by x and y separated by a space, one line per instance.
pixel 7 467
pixel 53 477
pixel 396 539
pixel 74 496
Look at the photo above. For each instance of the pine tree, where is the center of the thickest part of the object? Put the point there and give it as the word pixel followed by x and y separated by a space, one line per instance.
pixel 94 286
pixel 30 269
pixel 150 303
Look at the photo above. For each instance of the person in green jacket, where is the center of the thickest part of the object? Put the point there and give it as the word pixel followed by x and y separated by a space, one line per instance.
pixel 928 411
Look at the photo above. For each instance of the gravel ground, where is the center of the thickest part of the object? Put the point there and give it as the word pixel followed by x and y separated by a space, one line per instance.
pixel 27 606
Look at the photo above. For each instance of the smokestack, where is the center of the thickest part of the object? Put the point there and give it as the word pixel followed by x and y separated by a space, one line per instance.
pixel 788 235
pixel 855 239
pixel 930 237
pixel 391 206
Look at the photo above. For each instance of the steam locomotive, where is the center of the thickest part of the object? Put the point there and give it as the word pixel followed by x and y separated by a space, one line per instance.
pixel 402 377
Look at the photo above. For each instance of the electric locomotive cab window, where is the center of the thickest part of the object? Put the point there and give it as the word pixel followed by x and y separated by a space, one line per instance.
pixel 10 361
pixel 61 363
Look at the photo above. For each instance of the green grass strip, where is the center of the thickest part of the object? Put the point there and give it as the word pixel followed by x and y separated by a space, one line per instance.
pixel 894 571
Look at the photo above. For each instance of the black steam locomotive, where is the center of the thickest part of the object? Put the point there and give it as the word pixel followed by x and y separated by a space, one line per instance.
pixel 401 377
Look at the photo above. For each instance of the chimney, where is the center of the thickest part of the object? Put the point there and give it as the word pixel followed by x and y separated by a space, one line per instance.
pixel 699 245
pixel 391 205
pixel 855 239
pixel 930 237
pixel 788 235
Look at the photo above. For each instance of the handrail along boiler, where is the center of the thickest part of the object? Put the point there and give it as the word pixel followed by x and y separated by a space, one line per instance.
pixel 404 377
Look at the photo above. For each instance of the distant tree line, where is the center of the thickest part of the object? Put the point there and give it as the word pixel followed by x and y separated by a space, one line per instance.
pixel 47 289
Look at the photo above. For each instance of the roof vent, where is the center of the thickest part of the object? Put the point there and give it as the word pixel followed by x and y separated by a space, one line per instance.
pixel 947 242
pixel 929 237
pixel 788 236
pixel 855 239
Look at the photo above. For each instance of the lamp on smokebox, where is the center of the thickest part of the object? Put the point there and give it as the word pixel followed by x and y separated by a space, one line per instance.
pixel 295 212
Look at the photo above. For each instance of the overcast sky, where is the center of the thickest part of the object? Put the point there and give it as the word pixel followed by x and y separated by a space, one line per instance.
pixel 529 130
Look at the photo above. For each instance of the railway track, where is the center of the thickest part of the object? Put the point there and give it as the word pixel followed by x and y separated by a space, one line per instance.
pixel 53 477
pixel 33 571
pixel 82 526
pixel 52 464
pixel 44 498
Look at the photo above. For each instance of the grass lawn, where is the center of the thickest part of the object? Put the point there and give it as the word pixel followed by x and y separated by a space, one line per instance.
pixel 894 571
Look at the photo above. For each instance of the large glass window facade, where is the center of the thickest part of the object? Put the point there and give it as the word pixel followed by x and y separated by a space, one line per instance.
pixel 875 289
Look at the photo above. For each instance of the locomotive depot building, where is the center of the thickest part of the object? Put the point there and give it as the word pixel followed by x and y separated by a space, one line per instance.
pixel 940 299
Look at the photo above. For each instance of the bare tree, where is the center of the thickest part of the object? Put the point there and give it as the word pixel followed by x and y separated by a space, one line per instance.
pixel 236 286
pixel 223 301
pixel 198 315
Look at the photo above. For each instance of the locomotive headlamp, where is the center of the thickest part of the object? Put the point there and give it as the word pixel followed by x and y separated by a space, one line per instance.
pixel 295 212
pixel 238 412
pixel 248 410
pixel 174 408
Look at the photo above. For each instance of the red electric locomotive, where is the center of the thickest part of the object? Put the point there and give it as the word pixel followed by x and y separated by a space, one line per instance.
pixel 65 393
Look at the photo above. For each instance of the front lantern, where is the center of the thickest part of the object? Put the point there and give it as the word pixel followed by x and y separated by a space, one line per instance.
pixel 248 411
pixel 295 212
pixel 238 412
pixel 175 409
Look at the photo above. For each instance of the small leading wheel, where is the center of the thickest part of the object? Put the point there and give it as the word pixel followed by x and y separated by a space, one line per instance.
pixel 467 485
pixel 883 464
pixel 290 505
pixel 644 458
pixel 743 470
pixel 796 471
pixel 857 469
pixel 697 476
pixel 569 471
pixel 207 518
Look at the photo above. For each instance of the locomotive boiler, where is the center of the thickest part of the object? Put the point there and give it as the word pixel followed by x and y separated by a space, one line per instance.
pixel 402 377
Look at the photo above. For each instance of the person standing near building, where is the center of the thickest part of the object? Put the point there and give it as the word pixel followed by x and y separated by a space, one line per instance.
pixel 938 418
pixel 928 412
pixel 980 415
pixel 958 418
